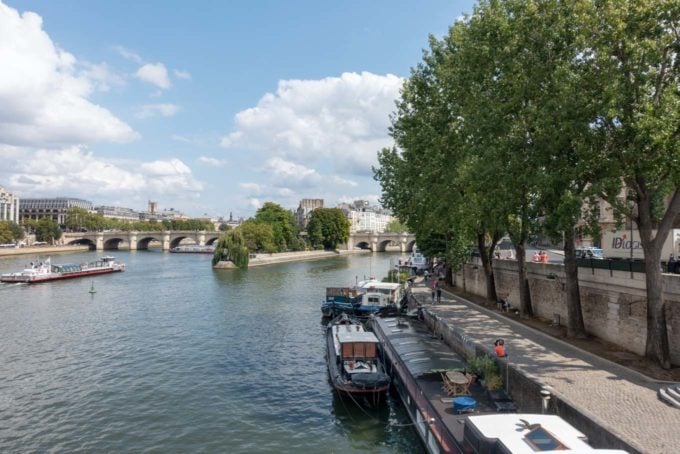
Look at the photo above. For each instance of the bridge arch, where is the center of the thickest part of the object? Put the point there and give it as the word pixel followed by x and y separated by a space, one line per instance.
pixel 83 242
pixel 143 243
pixel 363 245
pixel 113 243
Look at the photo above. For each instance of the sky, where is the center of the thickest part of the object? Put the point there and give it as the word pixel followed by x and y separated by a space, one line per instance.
pixel 207 107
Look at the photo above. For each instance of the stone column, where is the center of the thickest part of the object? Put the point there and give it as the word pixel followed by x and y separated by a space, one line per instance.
pixel 374 243
pixel 99 241
pixel 132 240
pixel 166 240
pixel 200 238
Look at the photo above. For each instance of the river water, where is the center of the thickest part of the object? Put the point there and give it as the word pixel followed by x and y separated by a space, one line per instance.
pixel 173 356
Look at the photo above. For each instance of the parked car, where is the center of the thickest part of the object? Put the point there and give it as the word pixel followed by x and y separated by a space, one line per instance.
pixel 589 253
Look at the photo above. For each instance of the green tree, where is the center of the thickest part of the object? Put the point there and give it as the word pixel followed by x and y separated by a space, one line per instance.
pixel 258 236
pixel 283 225
pixel 16 230
pixel 327 227
pixel 231 246
pixel 47 229
pixel 395 226
pixel 635 64
pixel 6 235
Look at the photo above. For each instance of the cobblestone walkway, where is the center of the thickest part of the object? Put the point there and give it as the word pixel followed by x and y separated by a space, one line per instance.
pixel 619 399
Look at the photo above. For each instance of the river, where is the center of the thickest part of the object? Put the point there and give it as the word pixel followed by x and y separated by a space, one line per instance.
pixel 173 356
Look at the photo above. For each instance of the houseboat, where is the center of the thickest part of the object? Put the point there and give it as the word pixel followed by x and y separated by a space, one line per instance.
pixel 193 249
pixel 483 425
pixel 354 364
pixel 46 271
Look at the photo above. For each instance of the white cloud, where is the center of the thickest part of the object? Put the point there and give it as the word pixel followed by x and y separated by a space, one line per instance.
pixel 252 188
pixel 213 162
pixel 286 172
pixel 338 181
pixel 44 92
pixel 344 118
pixel 154 73
pixel 182 74
pixel 152 110
pixel 77 171
pixel 128 54
pixel 179 138
pixel 102 76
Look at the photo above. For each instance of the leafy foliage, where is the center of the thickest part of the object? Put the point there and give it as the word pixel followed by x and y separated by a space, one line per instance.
pixel 231 246
pixel 327 227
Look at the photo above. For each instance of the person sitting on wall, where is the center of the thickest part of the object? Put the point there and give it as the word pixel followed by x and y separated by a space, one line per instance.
pixel 503 304
pixel 500 348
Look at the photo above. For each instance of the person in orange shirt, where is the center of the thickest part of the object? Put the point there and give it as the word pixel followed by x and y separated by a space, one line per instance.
pixel 500 348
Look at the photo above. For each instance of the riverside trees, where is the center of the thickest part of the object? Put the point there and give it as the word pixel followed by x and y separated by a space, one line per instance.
pixel 525 111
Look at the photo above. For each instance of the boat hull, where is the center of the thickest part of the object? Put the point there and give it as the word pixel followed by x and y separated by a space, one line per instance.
pixel 17 277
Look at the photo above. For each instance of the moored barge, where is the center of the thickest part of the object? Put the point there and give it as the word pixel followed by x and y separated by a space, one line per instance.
pixel 46 271
pixel 416 361
pixel 354 365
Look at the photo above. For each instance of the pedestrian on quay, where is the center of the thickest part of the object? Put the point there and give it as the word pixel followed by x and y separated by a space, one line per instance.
pixel 671 264
pixel 439 294
pixel 434 291
pixel 500 348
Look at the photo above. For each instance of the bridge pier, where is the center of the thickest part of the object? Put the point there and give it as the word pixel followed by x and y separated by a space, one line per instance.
pixel 99 241
pixel 200 238
pixel 132 240
pixel 166 240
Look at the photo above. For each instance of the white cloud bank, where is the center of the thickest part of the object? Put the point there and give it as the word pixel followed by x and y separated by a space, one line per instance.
pixel 344 118
pixel 156 74
pixel 152 110
pixel 44 90
pixel 77 171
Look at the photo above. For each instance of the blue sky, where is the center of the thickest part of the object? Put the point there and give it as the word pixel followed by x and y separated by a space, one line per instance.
pixel 209 107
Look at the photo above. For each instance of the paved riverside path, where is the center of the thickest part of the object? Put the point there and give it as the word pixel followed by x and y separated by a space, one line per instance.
pixel 615 397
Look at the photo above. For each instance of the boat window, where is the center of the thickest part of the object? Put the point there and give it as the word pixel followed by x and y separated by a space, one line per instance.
pixel 359 350
pixel 542 440
pixel 370 351
pixel 347 351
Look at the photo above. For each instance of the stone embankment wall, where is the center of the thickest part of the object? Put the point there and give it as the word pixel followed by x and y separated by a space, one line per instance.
pixel 614 303
pixel 284 257
pixel 41 251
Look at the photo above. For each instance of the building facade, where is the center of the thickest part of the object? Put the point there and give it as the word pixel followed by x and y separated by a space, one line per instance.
pixel 363 217
pixel 305 209
pixel 125 214
pixel 56 208
pixel 9 206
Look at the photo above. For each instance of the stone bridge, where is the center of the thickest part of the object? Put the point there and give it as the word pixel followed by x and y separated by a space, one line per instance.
pixel 380 242
pixel 138 240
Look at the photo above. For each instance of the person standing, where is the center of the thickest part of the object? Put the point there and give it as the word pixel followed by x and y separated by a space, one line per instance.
pixel 671 264
pixel 434 290
pixel 439 294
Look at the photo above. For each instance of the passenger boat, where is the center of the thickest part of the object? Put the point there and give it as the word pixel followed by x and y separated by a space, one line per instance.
pixel 354 364
pixel 46 271
pixel 194 249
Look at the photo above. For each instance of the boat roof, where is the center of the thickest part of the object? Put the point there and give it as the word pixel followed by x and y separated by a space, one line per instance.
pixel 418 350
pixel 380 285
pixel 511 430
pixel 356 336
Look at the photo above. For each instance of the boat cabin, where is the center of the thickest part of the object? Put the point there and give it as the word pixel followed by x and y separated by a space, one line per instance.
pixel 357 351
pixel 392 292
pixel 525 433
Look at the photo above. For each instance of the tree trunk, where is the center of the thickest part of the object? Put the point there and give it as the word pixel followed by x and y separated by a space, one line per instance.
pixel 525 308
pixel 575 326
pixel 486 254
pixel 657 333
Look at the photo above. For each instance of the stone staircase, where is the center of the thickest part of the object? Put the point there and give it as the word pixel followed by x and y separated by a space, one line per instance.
pixel 670 395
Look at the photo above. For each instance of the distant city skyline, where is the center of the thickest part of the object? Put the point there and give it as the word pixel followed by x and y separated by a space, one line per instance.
pixel 208 109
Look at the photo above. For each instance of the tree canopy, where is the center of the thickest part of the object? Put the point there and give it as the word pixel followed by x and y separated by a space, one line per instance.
pixel 327 228
pixel 524 113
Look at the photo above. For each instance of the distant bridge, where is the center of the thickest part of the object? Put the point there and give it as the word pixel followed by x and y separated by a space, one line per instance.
pixel 379 242
pixel 139 240
pixel 376 242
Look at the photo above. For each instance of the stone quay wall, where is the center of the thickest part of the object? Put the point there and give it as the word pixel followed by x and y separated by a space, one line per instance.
pixel 614 303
